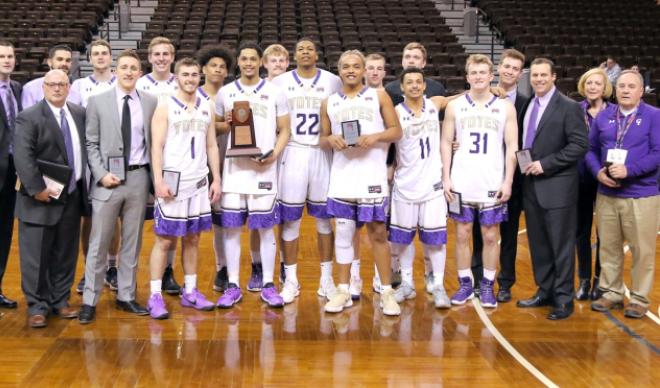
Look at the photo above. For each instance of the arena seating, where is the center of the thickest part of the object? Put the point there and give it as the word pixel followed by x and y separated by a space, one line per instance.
pixel 383 26
pixel 35 25
pixel 579 35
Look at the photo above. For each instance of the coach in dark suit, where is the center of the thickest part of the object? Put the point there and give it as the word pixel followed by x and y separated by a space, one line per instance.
pixel 49 228
pixel 555 132
pixel 10 105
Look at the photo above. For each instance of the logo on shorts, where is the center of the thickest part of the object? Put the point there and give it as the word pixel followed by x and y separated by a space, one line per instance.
pixel 437 186
pixel 265 186
pixel 375 189
pixel 492 194
pixel 201 183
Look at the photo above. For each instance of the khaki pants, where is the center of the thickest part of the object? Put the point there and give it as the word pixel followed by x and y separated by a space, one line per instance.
pixel 634 220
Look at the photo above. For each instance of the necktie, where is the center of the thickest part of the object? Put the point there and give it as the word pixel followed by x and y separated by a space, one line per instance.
pixel 531 125
pixel 68 144
pixel 126 129
pixel 11 115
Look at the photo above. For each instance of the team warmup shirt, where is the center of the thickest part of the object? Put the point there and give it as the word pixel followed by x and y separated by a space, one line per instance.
pixel 161 89
pixel 84 88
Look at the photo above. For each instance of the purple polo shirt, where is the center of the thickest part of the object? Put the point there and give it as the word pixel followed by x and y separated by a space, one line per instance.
pixel 642 143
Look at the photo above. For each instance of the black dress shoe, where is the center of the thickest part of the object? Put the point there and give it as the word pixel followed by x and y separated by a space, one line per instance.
pixel 534 301
pixel 596 293
pixel 86 314
pixel 504 295
pixel 7 303
pixel 132 307
pixel 582 292
pixel 561 311
pixel 170 286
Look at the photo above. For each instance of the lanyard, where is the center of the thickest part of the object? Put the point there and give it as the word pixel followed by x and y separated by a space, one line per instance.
pixel 622 128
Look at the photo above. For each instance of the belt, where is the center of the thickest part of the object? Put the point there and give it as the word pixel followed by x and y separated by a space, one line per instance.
pixel 134 167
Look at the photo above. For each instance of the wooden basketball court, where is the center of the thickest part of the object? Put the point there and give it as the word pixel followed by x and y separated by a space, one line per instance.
pixel 300 345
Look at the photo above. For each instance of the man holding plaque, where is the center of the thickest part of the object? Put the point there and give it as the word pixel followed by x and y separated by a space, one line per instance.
pixel 555 133
pixel 184 147
pixel 254 111
pixel 305 167
pixel 49 153
pixel 481 173
pixel 118 142
pixel 359 123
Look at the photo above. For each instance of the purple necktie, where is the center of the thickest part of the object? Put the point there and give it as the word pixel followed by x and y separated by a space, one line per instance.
pixel 11 115
pixel 531 125
pixel 68 144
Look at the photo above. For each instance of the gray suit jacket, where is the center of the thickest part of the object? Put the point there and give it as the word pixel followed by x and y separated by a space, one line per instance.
pixel 38 136
pixel 104 137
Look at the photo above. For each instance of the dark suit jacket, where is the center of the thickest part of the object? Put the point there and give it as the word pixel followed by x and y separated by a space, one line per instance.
pixel 4 131
pixel 521 103
pixel 38 136
pixel 560 141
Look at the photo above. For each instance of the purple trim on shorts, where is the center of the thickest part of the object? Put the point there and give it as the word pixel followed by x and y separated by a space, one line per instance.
pixel 494 215
pixel 362 213
pixel 341 209
pixel 434 237
pixel 318 210
pixel 469 214
pixel 180 227
pixel 290 212
pixel 232 218
pixel 264 220
pixel 400 236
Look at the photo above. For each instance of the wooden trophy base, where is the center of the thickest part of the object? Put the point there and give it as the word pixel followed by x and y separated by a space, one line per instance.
pixel 243 151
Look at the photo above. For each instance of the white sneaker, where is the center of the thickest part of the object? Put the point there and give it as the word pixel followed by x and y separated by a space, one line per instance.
pixel 326 288
pixel 404 292
pixel 428 282
pixel 440 298
pixel 388 303
pixel 290 291
pixel 338 301
pixel 355 287
pixel 375 284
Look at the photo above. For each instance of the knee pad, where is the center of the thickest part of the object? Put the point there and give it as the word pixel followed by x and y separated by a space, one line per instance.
pixel 323 226
pixel 291 230
pixel 345 229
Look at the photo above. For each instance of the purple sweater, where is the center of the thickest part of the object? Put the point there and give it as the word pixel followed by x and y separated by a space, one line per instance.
pixel 642 143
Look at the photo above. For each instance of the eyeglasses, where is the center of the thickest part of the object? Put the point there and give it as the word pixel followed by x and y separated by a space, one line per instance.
pixel 56 84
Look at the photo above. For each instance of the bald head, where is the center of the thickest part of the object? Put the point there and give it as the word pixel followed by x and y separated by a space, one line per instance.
pixel 56 87
pixel 629 89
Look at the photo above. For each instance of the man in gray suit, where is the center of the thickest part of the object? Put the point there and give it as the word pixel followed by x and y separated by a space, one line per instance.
pixel 50 132
pixel 118 132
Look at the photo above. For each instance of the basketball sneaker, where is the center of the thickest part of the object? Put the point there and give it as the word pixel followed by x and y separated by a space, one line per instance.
pixel 338 301
pixel 487 295
pixel 440 298
pixel 326 288
pixel 404 292
pixel 465 291
pixel 156 307
pixel 255 283
pixel 388 302
pixel 230 297
pixel 221 280
pixel 270 296
pixel 196 300
pixel 289 292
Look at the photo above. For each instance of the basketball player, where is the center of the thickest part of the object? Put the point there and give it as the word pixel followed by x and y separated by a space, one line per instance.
pixel 358 188
pixel 183 145
pixel 481 174
pixel 305 167
pixel 216 63
pixel 250 184
pixel 375 71
pixel 59 58
pixel 102 79
pixel 162 84
pixel 275 60
pixel 418 201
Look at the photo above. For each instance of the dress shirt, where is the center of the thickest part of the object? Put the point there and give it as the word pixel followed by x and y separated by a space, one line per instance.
pixel 543 103
pixel 75 139
pixel 138 155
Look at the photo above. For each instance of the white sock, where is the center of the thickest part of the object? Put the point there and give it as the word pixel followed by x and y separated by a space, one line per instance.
pixel 489 274
pixel 190 282
pixel 112 261
pixel 376 274
pixel 466 273
pixel 232 248
pixel 406 257
pixel 343 287
pixel 218 248
pixel 437 255
pixel 170 257
pixel 326 270
pixel 156 286
pixel 255 256
pixel 290 271
pixel 355 268
pixel 268 252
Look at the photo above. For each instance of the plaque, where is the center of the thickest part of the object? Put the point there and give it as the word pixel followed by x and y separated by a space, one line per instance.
pixel 171 179
pixel 455 207
pixel 54 186
pixel 524 159
pixel 117 167
pixel 350 131
pixel 243 142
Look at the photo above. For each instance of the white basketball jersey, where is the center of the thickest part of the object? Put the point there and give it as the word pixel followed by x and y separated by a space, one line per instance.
pixel 242 175
pixel 358 173
pixel 83 88
pixel 161 89
pixel 185 144
pixel 304 97
pixel 478 166
pixel 418 175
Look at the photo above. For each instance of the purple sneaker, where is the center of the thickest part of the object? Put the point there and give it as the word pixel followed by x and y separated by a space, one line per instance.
pixel 230 297
pixel 255 282
pixel 270 296
pixel 487 295
pixel 465 291
pixel 156 307
pixel 196 300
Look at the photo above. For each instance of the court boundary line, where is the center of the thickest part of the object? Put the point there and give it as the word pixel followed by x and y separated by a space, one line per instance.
pixel 510 348
pixel 638 337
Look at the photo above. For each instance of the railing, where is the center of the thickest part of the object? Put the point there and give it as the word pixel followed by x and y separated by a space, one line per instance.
pixel 480 15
